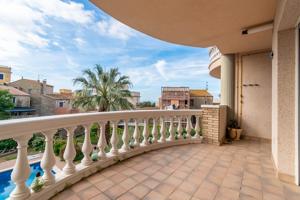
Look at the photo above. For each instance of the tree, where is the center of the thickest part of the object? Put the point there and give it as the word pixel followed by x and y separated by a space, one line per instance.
pixel 6 103
pixel 103 90
pixel 146 104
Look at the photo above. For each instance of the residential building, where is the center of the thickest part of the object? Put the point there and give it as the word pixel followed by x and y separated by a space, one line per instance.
pixel 61 102
pixel 199 98
pixel 32 87
pixel 183 98
pixel 21 101
pixel 5 74
pixel 135 98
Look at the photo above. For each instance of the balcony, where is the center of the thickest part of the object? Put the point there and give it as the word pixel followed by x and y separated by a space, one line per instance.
pixel 215 62
pixel 120 147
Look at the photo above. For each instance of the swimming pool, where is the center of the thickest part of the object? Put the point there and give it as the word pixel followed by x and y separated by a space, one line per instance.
pixel 7 185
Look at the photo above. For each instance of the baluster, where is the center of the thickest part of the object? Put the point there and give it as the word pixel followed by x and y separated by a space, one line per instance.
pixel 21 170
pixel 102 144
pixel 87 146
pixel 188 127
pixel 179 129
pixel 70 152
pixel 114 140
pixel 162 131
pixel 171 130
pixel 145 133
pixel 125 137
pixel 154 131
pixel 197 128
pixel 136 134
pixel 48 160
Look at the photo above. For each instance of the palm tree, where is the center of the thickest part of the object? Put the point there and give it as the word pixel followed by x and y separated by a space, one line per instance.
pixel 103 90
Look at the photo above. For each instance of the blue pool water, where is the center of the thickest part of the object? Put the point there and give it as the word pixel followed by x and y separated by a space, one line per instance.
pixel 6 184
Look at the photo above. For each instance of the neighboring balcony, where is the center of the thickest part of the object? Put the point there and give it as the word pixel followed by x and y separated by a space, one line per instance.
pixel 215 62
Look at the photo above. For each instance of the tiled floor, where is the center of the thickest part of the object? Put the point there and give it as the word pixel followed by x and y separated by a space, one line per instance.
pixel 242 170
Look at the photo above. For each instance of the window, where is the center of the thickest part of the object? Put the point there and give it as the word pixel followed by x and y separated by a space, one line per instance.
pixel 61 104
pixel 192 102
pixel 1 76
pixel 29 91
pixel 14 99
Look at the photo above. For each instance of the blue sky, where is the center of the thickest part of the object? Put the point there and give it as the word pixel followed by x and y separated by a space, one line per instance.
pixel 56 40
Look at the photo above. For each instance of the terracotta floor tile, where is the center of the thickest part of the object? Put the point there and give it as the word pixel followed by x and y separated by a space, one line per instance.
pixel 151 183
pixel 140 191
pixel 104 184
pixel 154 196
pixel 100 196
pixel 117 178
pixel 128 196
pixel 115 191
pixel 128 183
pixel 180 195
pixel 88 193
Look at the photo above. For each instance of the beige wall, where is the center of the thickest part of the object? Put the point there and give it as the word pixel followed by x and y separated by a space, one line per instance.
pixel 22 101
pixel 255 100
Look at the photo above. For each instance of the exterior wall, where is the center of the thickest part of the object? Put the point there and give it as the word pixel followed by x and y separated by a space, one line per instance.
pixel 179 96
pixel 22 101
pixel 284 106
pixel 43 105
pixel 253 94
pixel 214 120
pixel 199 101
pixel 31 87
pixel 6 71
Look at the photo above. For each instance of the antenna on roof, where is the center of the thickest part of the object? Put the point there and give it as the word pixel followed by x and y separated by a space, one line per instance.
pixel 206 85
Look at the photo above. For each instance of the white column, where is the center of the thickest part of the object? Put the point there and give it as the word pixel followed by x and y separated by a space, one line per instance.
pixel 227 83
pixel 154 131
pixel 48 160
pixel 136 133
pixel 179 128
pixel 70 152
pixel 171 130
pixel 125 137
pixel 102 144
pixel 197 128
pixel 145 133
pixel 87 146
pixel 21 170
pixel 162 131
pixel 188 127
pixel 114 140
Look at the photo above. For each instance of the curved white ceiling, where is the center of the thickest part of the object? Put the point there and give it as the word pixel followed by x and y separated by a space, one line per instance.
pixel 199 23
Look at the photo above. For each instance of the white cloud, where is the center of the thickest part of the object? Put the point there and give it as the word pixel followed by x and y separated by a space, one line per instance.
pixel 23 22
pixel 115 29
pixel 160 67
pixel 79 41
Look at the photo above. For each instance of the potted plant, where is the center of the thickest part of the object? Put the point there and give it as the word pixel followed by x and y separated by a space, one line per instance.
pixel 234 130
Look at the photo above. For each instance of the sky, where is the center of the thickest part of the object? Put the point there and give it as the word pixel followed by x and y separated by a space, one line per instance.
pixel 56 40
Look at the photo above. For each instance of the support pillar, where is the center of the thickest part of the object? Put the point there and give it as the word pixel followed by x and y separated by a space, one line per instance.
pixel 227 83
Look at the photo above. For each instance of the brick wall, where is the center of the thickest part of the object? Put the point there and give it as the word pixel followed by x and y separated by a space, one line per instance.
pixel 214 123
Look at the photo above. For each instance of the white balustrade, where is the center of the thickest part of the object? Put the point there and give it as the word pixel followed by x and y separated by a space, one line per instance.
pixel 102 144
pixel 145 133
pixel 136 133
pixel 197 127
pixel 87 146
pixel 48 160
pixel 171 130
pixel 162 131
pixel 154 131
pixel 48 126
pixel 188 127
pixel 70 152
pixel 114 140
pixel 21 170
pixel 179 129
pixel 125 137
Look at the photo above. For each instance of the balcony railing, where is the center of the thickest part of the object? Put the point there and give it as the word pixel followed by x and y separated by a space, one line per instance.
pixel 214 54
pixel 21 131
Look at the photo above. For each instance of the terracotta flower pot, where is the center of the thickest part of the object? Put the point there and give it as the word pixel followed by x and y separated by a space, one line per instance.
pixel 232 133
pixel 238 133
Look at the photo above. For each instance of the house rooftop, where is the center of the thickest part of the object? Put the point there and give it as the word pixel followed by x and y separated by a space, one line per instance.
pixel 32 81
pixel 13 91
pixel 199 93
pixel 63 96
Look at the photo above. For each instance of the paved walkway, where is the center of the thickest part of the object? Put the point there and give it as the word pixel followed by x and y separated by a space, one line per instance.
pixel 243 170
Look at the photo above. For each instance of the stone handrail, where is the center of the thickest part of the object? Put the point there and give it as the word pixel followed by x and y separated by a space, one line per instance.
pixel 21 130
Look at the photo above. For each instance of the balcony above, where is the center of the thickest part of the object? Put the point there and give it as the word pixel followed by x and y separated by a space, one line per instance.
pixel 214 62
